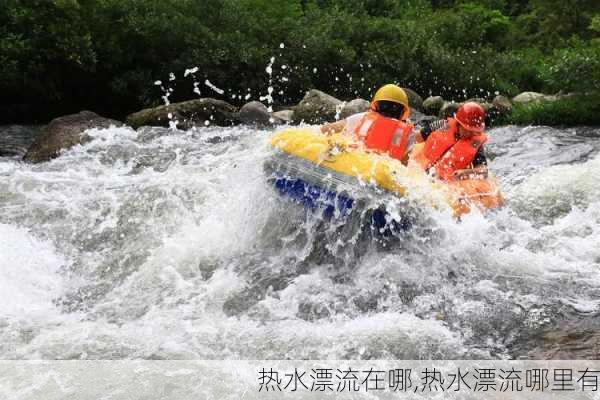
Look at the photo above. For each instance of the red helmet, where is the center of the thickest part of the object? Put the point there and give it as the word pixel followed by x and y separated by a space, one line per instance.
pixel 471 116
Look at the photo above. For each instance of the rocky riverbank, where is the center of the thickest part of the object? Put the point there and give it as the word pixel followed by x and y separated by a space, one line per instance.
pixel 316 107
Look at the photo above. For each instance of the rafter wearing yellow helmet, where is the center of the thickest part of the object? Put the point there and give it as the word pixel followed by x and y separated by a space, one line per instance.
pixel 383 128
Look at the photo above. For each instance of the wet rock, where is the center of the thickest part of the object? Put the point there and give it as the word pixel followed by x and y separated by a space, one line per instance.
pixel 285 116
pixel 414 99
pixel 448 109
pixel 187 114
pixel 208 267
pixel 159 161
pixel 531 97
pixel 502 104
pixel 578 339
pixel 316 108
pixel 355 106
pixel 63 133
pixel 433 104
pixel 366 302
pixel 309 311
pixel 255 113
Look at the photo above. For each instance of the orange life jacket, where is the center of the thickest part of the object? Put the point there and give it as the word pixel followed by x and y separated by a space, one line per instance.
pixel 447 153
pixel 386 135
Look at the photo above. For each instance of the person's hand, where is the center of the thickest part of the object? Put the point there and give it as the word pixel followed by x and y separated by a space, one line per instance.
pixel 333 127
pixel 426 129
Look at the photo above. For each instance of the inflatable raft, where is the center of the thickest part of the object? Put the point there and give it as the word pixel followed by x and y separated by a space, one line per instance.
pixel 334 173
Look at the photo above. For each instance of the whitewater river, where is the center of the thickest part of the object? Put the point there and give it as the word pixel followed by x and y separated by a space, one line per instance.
pixel 172 245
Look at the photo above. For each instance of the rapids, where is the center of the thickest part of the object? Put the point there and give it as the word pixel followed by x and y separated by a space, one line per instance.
pixel 162 244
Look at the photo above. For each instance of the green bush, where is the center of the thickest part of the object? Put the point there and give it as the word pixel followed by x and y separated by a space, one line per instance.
pixel 575 110
pixel 576 68
pixel 54 53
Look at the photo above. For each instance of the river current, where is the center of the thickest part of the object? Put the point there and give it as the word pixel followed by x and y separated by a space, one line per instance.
pixel 158 244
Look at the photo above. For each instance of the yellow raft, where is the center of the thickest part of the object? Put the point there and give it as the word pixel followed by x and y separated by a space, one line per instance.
pixel 342 156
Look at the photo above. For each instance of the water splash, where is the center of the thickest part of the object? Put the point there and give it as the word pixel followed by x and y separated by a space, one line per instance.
pixel 138 236
pixel 269 96
pixel 213 87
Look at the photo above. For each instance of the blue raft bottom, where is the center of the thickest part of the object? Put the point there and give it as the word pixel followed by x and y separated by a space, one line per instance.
pixel 333 204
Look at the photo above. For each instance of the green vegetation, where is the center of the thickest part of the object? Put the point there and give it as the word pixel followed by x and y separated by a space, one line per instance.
pixel 58 56
pixel 571 111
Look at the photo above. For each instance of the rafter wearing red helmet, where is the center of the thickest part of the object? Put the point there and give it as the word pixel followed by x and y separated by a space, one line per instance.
pixel 453 149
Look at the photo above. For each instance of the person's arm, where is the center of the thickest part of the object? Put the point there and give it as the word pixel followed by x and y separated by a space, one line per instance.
pixel 429 127
pixel 423 134
pixel 333 127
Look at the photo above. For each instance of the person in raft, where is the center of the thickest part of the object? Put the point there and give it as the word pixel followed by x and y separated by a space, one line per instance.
pixel 384 127
pixel 452 149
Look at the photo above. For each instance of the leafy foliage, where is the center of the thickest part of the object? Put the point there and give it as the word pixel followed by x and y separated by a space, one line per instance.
pixel 569 111
pixel 59 56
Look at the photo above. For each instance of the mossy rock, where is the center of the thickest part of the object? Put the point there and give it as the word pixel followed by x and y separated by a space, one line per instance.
pixel 187 114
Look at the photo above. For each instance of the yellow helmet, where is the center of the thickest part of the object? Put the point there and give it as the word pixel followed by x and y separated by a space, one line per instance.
pixel 393 93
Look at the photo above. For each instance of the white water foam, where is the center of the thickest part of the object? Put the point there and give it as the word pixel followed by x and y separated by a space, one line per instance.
pixel 29 273
pixel 171 244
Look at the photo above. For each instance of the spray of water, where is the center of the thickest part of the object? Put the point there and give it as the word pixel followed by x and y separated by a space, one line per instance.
pixel 163 243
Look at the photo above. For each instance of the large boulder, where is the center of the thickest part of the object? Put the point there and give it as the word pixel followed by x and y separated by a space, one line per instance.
pixel 448 109
pixel 187 114
pixel 63 133
pixel 355 106
pixel 317 107
pixel 414 99
pixel 532 97
pixel 433 104
pixel 255 113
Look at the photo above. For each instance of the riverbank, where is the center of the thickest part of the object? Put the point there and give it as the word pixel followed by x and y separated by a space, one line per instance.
pixel 317 107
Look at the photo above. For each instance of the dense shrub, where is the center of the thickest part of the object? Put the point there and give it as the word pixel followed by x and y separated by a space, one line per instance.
pixel 58 56
pixel 575 110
